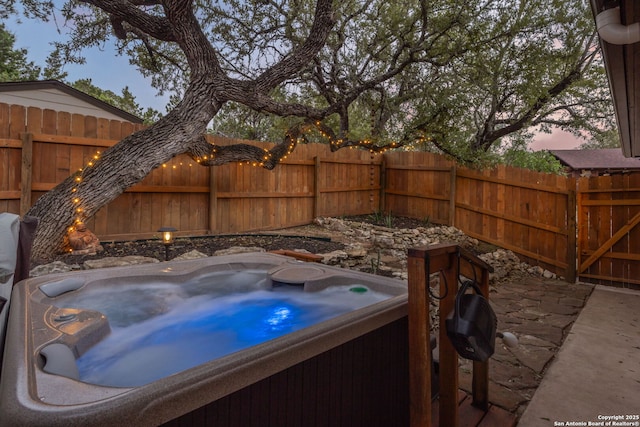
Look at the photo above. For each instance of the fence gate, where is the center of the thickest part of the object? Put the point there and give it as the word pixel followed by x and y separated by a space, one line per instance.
pixel 608 230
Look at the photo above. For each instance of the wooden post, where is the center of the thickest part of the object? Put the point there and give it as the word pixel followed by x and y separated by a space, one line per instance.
pixel 316 186
pixel 582 225
pixel 572 241
pixel 448 355
pixel 452 196
pixel 213 201
pixel 419 337
pixel 383 184
pixel 480 380
pixel 26 172
pixel 451 261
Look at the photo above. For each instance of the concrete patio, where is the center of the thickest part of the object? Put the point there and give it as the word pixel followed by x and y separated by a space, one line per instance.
pixel 596 373
pixel 579 354
pixel 540 312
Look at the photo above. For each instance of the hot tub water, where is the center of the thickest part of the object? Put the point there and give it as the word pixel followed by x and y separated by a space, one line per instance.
pixel 165 328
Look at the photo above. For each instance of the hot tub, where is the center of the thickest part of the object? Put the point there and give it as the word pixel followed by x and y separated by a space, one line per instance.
pixel 348 369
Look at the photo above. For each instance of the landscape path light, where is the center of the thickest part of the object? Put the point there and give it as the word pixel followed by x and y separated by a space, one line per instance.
pixel 167 239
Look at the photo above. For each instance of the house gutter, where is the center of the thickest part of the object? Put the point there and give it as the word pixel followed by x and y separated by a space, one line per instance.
pixel 612 31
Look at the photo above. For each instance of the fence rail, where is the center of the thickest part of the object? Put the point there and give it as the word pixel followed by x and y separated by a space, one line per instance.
pixel 519 210
pixel 40 148
pixel 609 235
pixel 586 229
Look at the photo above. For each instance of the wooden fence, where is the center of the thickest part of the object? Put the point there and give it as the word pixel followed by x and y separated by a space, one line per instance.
pixel 517 209
pixel 29 162
pixel 608 231
pixel 40 148
pixel 311 182
pixel 585 229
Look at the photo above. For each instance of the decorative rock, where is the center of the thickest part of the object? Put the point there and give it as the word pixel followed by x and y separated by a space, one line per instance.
pixel 90 251
pixel 387 248
pixel 331 223
pixel 334 258
pixel 83 241
pixel 536 270
pixel 53 267
pixel 384 241
pixel 356 251
pixel 375 248
pixel 190 255
pixel 118 261
pixel 238 250
pixel 573 302
pixel 400 275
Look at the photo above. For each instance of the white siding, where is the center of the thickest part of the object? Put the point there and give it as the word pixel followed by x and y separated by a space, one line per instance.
pixel 56 100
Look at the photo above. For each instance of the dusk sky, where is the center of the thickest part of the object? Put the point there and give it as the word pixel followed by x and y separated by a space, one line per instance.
pixel 557 140
pixel 106 70
pixel 111 72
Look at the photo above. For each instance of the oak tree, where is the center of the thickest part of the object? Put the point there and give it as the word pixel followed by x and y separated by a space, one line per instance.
pixel 14 65
pixel 368 73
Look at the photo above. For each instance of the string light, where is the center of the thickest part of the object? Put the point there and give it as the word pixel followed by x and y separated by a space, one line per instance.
pixel 293 137
pixel 79 210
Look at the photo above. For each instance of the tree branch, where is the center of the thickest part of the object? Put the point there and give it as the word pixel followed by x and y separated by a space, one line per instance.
pixel 486 139
pixel 127 11
pixel 303 54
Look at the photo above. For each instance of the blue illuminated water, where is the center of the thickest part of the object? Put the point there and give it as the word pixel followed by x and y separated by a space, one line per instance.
pixel 159 329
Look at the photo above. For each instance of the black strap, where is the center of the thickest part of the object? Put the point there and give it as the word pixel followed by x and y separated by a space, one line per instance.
pixel 463 289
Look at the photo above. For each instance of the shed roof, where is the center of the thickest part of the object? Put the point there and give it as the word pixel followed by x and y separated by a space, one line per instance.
pixel 24 95
pixel 601 159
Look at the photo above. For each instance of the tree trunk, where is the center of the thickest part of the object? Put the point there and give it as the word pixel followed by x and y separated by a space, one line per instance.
pixel 81 195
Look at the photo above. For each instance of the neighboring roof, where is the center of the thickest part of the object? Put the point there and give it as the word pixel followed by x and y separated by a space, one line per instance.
pixel 621 62
pixel 57 95
pixel 602 159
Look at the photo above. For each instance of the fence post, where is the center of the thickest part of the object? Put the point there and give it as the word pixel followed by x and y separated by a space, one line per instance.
pixel 480 379
pixel 213 200
pixel 383 184
pixel 446 259
pixel 420 409
pixel 449 383
pixel 582 184
pixel 316 186
pixel 26 172
pixel 572 241
pixel 452 196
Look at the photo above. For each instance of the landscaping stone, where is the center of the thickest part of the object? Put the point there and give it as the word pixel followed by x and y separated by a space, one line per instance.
pixel 118 262
pixel 542 331
pixel 526 315
pixel 573 302
pixel 510 399
pixel 559 320
pixel 52 268
pixel 190 255
pixel 534 358
pixel 552 307
pixel 385 249
pixel 514 377
pixel 238 250
pixel 335 257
